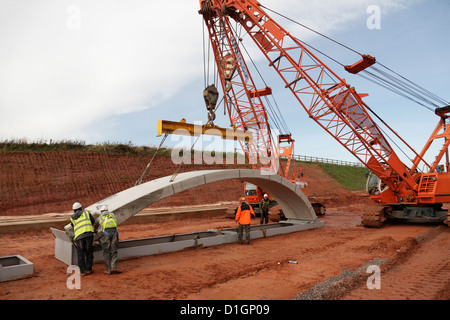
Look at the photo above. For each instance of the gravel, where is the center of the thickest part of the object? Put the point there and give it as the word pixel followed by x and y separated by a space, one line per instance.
pixel 336 287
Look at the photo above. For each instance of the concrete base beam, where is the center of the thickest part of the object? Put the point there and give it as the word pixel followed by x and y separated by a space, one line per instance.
pixel 65 251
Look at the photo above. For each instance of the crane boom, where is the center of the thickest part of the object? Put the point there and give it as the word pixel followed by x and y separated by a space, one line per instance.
pixel 242 99
pixel 246 110
pixel 332 103
pixel 326 97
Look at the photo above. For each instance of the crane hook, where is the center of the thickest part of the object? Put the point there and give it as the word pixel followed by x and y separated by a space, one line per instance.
pixel 211 95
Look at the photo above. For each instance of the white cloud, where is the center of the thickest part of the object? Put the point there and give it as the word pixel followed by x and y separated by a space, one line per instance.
pixel 330 16
pixel 124 57
pixel 57 80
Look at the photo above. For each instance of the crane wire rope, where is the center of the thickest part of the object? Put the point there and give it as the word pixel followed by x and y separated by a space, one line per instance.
pixel 312 30
pixel 206 80
pixel 230 101
pixel 174 175
pixel 387 78
pixel 276 115
pixel 139 181
pixel 431 94
pixel 393 82
pixel 408 89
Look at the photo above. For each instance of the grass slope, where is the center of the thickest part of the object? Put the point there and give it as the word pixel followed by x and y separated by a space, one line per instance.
pixel 353 178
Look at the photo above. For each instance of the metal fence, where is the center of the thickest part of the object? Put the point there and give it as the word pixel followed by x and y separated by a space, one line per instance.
pixel 325 160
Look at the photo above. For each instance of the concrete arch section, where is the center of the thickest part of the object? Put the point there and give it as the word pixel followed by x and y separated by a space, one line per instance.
pixel 125 204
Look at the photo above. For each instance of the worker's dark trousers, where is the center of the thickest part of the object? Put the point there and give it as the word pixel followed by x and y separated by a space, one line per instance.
pixel 264 218
pixel 110 247
pixel 241 228
pixel 85 253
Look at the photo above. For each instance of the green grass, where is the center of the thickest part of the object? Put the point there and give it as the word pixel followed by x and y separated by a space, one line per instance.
pixel 23 145
pixel 77 145
pixel 353 178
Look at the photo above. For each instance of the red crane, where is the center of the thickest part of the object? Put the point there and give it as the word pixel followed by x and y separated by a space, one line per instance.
pixel 246 110
pixel 332 103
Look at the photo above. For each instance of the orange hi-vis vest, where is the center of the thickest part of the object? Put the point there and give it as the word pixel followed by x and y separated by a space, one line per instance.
pixel 244 216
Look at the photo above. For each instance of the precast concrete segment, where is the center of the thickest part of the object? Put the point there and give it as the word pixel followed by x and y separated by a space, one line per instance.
pixel 15 268
pixel 66 252
pixel 125 204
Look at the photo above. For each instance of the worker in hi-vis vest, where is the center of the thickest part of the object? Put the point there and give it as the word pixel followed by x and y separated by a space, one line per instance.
pixel 83 226
pixel 109 239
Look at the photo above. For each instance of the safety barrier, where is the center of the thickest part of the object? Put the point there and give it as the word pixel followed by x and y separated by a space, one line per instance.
pixel 325 160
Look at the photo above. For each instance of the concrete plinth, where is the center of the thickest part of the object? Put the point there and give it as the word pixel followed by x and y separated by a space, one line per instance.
pixel 14 268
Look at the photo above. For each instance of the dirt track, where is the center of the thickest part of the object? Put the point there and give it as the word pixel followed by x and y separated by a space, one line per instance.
pixel 416 263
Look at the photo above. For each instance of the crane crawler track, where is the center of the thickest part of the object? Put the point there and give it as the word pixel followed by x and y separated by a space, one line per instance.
pixel 373 219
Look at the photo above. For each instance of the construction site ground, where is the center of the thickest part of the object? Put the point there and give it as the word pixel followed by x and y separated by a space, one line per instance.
pixel 330 262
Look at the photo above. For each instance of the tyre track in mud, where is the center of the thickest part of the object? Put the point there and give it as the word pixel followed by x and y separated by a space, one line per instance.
pixel 418 270
pixel 277 278
pixel 322 257
pixel 421 273
pixel 243 267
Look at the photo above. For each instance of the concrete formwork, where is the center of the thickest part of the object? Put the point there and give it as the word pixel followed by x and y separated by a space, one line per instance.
pixel 295 205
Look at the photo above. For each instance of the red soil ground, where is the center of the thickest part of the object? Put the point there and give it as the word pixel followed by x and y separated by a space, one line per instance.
pixel 414 258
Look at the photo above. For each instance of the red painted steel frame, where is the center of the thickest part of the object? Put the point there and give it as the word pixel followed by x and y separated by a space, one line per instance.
pixel 326 97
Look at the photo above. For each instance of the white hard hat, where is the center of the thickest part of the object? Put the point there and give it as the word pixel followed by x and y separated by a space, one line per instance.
pixel 103 208
pixel 266 196
pixel 76 206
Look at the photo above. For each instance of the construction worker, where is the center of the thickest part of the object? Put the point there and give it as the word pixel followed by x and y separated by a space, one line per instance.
pixel 264 209
pixel 243 218
pixel 83 225
pixel 109 239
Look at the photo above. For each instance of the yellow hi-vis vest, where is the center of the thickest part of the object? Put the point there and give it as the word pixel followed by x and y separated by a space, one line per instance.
pixel 107 221
pixel 82 224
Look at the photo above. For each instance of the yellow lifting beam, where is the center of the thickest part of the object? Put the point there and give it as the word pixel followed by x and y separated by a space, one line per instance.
pixel 183 128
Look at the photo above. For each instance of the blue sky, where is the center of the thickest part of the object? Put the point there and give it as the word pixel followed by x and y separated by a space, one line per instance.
pixel 108 71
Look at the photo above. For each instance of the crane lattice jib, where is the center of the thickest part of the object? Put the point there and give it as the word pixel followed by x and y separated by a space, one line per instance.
pixel 245 108
pixel 327 98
